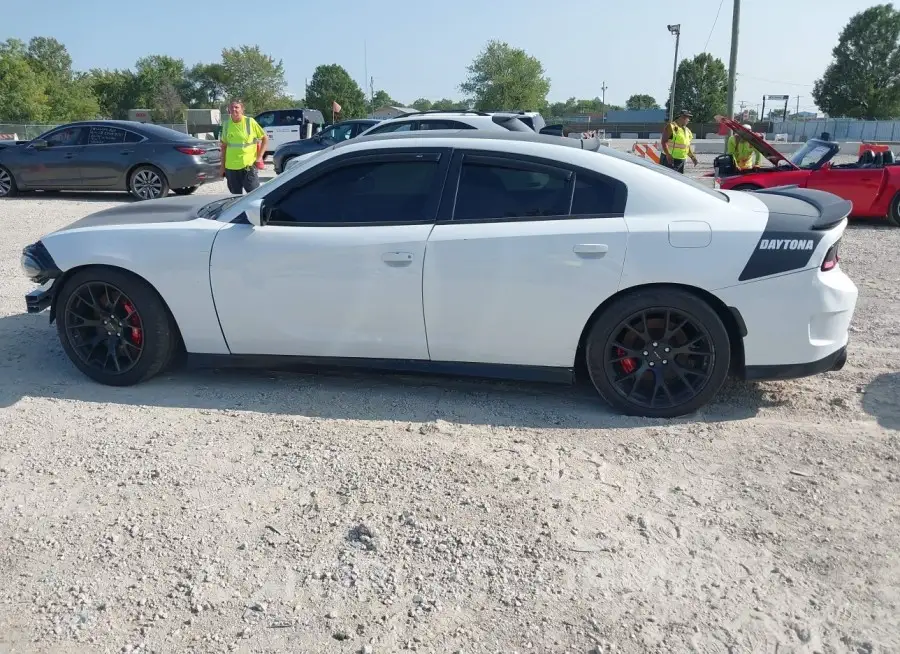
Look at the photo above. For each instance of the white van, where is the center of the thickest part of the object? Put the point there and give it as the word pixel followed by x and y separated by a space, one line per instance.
pixel 283 125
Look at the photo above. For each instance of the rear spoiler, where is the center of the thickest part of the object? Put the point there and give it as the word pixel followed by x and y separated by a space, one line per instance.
pixel 832 209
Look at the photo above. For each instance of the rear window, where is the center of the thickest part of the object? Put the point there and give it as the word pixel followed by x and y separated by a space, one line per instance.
pixel 512 123
pixel 164 133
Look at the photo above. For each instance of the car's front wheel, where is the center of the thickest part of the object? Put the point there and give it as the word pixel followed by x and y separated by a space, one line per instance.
pixel 7 183
pixel 658 353
pixel 187 190
pixel 893 215
pixel 114 326
pixel 148 183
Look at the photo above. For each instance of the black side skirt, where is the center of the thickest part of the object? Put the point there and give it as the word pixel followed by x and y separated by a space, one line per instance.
pixel 413 366
pixel 834 361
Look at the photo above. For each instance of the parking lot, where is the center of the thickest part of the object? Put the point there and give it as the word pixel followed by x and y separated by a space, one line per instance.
pixel 261 512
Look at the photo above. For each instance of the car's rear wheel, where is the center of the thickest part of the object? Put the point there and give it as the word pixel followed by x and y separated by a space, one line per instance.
pixel 148 183
pixel 658 353
pixel 187 190
pixel 114 327
pixel 746 187
pixel 893 214
pixel 7 183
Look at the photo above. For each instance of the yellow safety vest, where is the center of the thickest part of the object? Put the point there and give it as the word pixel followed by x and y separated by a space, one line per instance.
pixel 745 155
pixel 238 142
pixel 680 141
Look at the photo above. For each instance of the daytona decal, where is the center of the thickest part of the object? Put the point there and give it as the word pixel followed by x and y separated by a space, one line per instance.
pixel 786 244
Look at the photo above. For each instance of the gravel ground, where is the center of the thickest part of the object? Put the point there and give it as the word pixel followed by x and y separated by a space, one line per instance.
pixel 335 513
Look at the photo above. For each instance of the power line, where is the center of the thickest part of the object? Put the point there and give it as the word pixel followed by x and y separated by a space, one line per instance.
pixel 721 2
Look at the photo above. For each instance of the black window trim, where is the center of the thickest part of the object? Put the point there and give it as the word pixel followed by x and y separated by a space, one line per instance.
pixel 386 155
pixel 521 162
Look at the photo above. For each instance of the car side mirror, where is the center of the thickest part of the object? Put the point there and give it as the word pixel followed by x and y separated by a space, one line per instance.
pixel 254 212
pixel 39 144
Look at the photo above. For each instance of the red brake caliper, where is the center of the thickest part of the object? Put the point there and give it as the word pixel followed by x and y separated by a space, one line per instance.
pixel 137 335
pixel 628 365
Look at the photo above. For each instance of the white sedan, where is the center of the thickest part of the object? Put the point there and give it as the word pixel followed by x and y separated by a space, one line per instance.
pixel 514 256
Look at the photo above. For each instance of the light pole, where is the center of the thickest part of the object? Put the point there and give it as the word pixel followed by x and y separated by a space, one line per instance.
pixel 676 30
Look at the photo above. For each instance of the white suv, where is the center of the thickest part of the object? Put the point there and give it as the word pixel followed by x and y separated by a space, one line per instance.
pixel 481 120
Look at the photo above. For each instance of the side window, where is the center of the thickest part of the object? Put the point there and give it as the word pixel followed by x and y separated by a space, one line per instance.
pixel 266 119
pixel 364 192
pixel 287 118
pixel 598 195
pixel 66 136
pixel 443 124
pixel 488 192
pixel 393 127
pixel 133 137
pixel 341 132
pixel 103 135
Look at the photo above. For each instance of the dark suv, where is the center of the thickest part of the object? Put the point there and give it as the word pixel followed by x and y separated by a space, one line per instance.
pixel 342 131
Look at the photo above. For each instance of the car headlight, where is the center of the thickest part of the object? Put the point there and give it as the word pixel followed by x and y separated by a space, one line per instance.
pixel 37 264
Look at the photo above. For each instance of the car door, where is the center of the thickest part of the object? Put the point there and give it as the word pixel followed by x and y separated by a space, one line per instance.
pixel 58 164
pixel 107 157
pixel 859 185
pixel 337 269
pixel 517 264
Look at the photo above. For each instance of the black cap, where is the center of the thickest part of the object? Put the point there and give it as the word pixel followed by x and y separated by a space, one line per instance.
pixel 685 112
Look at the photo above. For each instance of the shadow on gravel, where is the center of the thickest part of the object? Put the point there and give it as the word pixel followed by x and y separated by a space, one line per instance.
pixel 76 196
pixel 33 364
pixel 870 224
pixel 882 400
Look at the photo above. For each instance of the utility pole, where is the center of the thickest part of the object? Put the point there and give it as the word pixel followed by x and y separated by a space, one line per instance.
pixel 676 30
pixel 603 101
pixel 798 108
pixel 372 92
pixel 732 63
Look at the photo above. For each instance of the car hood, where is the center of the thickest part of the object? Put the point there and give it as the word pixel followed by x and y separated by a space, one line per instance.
pixel 147 212
pixel 760 144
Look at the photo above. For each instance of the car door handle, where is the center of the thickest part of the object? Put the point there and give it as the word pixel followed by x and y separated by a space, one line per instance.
pixel 397 258
pixel 591 249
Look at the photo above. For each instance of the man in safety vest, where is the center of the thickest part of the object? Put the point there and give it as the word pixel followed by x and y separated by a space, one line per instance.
pixel 676 143
pixel 745 155
pixel 243 148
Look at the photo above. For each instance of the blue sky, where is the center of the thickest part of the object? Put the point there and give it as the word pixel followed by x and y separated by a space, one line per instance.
pixel 421 49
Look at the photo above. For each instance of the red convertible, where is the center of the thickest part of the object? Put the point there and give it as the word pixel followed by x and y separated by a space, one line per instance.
pixel 872 184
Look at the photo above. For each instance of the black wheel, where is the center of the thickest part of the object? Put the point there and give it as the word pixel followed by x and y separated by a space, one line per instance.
pixel 187 190
pixel 114 327
pixel 893 214
pixel 746 187
pixel 148 183
pixel 658 353
pixel 7 184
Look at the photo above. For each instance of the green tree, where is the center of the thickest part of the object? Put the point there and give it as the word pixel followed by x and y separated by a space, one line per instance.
pixel 701 87
pixel 503 77
pixel 207 85
pixel 446 104
pixel 152 72
pixel 863 79
pixel 168 107
pixel 332 83
pixel 116 91
pixel 23 97
pixel 422 104
pixel 69 94
pixel 641 101
pixel 255 77
pixel 382 98
pixel 49 58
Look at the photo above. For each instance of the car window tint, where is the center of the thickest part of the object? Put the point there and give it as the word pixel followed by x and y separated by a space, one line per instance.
pixel 341 132
pixel 132 137
pixel 443 124
pixel 362 193
pixel 66 136
pixel 266 119
pixel 393 127
pixel 105 135
pixel 488 192
pixel 287 118
pixel 598 195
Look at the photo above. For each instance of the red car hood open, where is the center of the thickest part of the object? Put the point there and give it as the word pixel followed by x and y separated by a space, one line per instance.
pixel 764 147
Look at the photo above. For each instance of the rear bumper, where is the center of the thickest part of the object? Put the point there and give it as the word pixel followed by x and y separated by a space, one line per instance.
pixel 194 175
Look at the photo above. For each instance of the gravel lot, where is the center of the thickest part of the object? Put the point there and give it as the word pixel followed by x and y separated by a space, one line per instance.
pixel 260 512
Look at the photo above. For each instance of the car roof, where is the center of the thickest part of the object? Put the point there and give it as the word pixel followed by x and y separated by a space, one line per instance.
pixel 501 135
pixel 133 124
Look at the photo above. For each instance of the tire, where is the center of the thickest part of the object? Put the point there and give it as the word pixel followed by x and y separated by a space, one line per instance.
pixel 187 190
pixel 7 184
pixel 893 214
pixel 690 379
pixel 146 339
pixel 746 187
pixel 286 161
pixel 148 183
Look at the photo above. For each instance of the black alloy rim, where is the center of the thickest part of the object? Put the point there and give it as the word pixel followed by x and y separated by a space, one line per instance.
pixel 658 358
pixel 5 183
pixel 104 328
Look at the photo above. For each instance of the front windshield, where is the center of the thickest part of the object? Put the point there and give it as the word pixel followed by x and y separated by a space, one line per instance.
pixel 810 155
